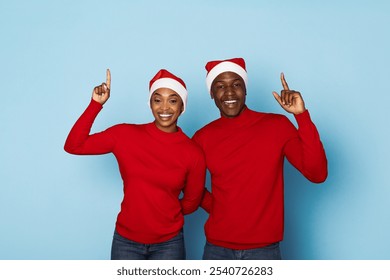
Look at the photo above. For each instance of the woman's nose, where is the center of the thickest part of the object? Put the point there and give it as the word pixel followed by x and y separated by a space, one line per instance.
pixel 164 105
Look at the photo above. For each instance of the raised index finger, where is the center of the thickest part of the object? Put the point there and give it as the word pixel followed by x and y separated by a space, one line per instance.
pixel 284 83
pixel 108 78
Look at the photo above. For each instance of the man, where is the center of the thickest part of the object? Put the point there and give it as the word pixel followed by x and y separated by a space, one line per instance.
pixel 245 152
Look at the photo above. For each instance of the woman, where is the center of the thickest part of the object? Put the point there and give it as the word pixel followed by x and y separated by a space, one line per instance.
pixel 157 162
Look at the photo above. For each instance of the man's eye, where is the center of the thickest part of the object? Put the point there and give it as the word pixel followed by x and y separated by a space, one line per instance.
pixel 156 100
pixel 237 85
pixel 173 101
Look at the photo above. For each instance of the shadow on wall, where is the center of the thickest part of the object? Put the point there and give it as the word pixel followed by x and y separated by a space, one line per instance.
pixel 194 230
pixel 306 206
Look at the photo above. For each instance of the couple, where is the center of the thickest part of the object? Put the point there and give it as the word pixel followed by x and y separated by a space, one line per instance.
pixel 244 151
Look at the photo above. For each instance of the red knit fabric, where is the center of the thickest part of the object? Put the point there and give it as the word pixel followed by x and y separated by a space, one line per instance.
pixel 245 158
pixel 155 167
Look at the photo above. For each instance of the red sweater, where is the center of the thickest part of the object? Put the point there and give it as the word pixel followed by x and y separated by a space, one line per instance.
pixel 245 158
pixel 155 167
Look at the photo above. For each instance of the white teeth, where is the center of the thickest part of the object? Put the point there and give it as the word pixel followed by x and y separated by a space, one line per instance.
pixel 230 101
pixel 165 115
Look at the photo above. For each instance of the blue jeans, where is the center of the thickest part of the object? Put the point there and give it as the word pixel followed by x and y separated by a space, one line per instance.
pixel 125 249
pixel 270 252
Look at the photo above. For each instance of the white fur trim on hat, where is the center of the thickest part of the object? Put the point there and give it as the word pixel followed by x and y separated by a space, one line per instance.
pixel 225 66
pixel 173 85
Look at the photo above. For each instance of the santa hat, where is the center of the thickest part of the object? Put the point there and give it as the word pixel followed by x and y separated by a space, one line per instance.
pixel 214 68
pixel 165 79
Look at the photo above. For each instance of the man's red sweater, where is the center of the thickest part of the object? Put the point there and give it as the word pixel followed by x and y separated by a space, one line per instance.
pixel 155 167
pixel 245 158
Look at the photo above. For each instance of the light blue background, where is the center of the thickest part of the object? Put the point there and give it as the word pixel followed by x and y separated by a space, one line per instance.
pixel 58 206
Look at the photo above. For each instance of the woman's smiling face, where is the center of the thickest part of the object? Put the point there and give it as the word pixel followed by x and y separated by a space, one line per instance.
pixel 166 107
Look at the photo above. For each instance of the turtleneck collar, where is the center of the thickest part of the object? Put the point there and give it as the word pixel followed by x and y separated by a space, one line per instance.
pixel 167 137
pixel 238 119
pixel 246 117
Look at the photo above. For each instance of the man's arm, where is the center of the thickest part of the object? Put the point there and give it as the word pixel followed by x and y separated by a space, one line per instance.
pixel 305 152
